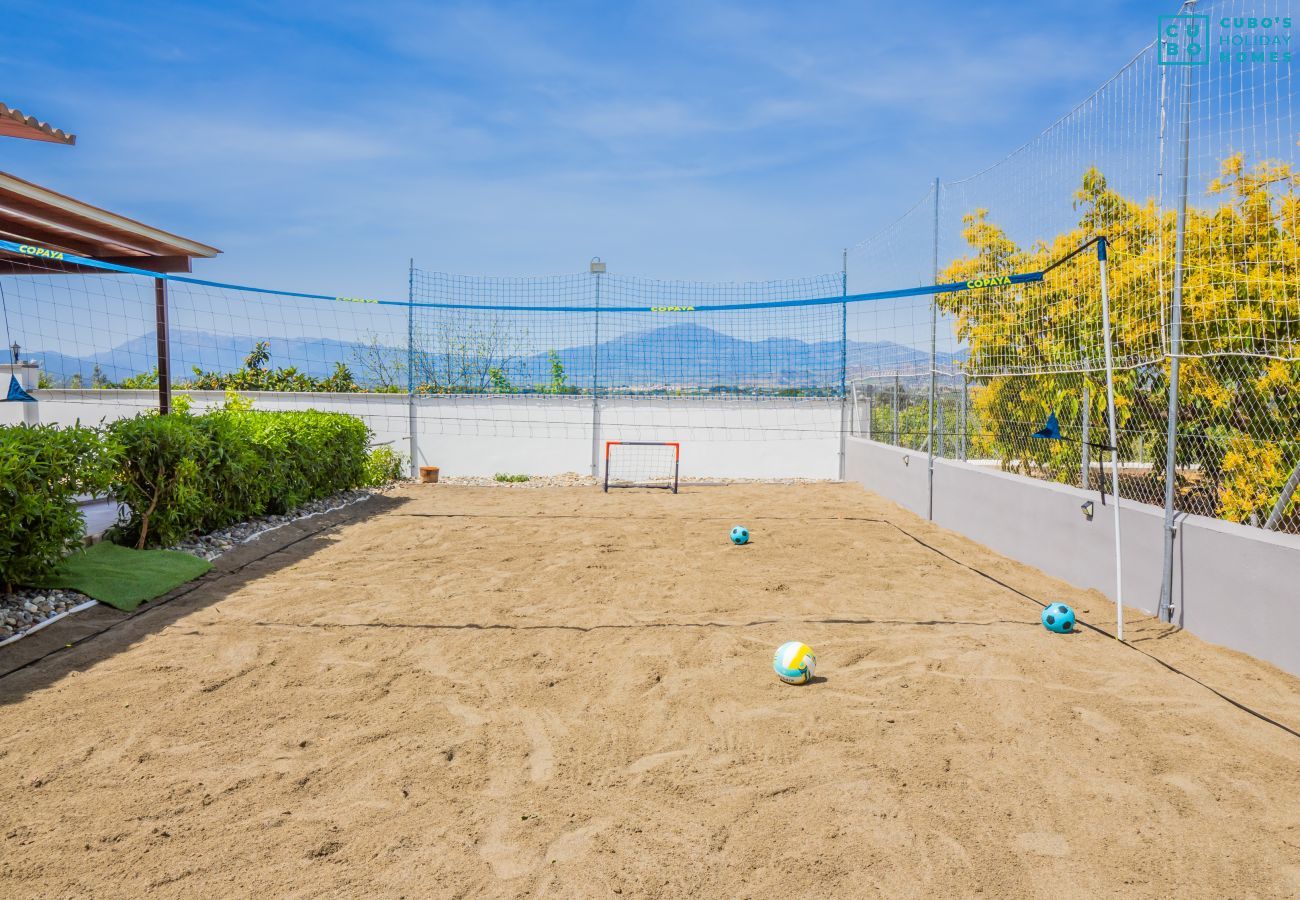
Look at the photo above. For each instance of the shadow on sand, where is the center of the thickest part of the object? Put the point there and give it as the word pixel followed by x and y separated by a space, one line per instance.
pixel 82 640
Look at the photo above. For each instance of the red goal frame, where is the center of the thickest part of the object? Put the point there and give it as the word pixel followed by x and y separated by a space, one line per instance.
pixel 677 461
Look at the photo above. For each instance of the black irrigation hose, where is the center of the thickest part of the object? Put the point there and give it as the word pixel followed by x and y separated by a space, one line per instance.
pixel 1172 668
pixel 145 610
pixel 1222 696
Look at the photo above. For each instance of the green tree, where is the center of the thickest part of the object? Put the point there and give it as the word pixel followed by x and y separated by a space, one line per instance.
pixel 559 381
pixel 499 382
pixel 142 381
pixel 1239 398
pixel 258 375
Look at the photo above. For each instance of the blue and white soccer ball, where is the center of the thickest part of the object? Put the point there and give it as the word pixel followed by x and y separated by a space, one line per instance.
pixel 794 662
pixel 1059 618
pixel 740 535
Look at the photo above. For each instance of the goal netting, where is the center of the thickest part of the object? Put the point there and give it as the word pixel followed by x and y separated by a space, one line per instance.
pixel 642 464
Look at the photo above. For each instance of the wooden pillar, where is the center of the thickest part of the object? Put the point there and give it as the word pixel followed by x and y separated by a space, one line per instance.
pixel 164 351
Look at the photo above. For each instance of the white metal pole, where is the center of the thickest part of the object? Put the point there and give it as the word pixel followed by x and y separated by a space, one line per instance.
pixel 412 421
pixel 844 359
pixel 595 378
pixel 1165 610
pixel 1114 437
pixel 1085 461
pixel 934 325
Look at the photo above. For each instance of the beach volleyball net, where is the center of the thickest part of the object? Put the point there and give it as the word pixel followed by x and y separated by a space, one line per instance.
pixel 918 341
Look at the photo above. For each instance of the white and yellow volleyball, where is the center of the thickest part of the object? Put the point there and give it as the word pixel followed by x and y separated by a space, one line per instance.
pixel 794 663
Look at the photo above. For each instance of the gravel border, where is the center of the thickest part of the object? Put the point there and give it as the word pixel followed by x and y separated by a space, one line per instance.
pixel 26 610
pixel 210 546
pixel 573 479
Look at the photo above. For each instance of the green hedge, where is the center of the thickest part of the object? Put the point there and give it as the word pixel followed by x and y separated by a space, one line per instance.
pixel 183 474
pixel 179 475
pixel 384 465
pixel 42 470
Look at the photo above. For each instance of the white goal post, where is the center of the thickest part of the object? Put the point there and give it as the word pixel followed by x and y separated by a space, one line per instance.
pixel 642 464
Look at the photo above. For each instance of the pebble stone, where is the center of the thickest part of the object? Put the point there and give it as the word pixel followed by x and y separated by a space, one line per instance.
pixel 213 544
pixel 22 609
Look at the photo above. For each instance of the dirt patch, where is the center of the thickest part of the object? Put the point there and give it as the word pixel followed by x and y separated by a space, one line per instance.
pixel 557 691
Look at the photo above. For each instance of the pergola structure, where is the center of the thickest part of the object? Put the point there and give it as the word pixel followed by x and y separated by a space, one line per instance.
pixel 32 214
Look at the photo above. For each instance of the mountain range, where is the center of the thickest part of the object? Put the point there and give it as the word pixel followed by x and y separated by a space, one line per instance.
pixel 672 355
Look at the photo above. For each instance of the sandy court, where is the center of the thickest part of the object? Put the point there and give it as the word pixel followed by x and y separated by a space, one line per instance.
pixel 557 692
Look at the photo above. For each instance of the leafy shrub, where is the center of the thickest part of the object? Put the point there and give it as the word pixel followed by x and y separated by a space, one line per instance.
pixel 311 454
pixel 384 465
pixel 257 375
pixel 236 469
pixel 183 474
pixel 161 479
pixel 513 479
pixel 42 470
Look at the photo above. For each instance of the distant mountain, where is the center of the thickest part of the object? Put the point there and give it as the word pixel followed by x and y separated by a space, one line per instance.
pixel 693 354
pixel 683 354
pixel 210 352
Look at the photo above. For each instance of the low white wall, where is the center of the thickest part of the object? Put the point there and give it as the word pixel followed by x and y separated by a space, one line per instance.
pixel 1233 585
pixel 18 412
pixel 540 435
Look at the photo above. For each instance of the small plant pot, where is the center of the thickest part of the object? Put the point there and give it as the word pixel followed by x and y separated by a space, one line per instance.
pixel 429 474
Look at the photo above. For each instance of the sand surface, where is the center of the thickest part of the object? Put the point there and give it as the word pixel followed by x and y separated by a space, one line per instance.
pixel 560 693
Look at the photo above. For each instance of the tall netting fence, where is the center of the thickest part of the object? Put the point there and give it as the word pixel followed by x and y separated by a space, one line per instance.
pixel 1202 269
pixel 891 361
pixel 497 356
pixel 1238 448
pixel 1187 171
pixel 93 334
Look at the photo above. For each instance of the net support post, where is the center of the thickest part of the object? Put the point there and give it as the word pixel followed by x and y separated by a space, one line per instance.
pixel 1114 437
pixel 597 269
pixel 411 420
pixel 894 441
pixel 1275 517
pixel 845 420
pixel 1165 609
pixel 164 346
pixel 965 384
pixel 934 332
pixel 1084 416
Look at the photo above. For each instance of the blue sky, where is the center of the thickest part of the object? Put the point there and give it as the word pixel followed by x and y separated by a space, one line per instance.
pixel 320 145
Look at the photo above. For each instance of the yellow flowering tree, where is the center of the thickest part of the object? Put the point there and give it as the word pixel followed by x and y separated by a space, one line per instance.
pixel 1036 347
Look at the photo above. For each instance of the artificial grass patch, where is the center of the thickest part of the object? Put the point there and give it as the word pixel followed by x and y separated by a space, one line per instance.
pixel 125 578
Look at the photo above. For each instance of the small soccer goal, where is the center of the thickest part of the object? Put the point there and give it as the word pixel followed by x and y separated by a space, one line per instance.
pixel 642 464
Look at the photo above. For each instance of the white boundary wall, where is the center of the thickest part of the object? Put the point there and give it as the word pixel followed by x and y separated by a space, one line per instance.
pixel 538 435
pixel 1233 585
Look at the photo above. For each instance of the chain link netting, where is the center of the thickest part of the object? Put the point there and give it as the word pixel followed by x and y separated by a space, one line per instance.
pixel 1204 267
